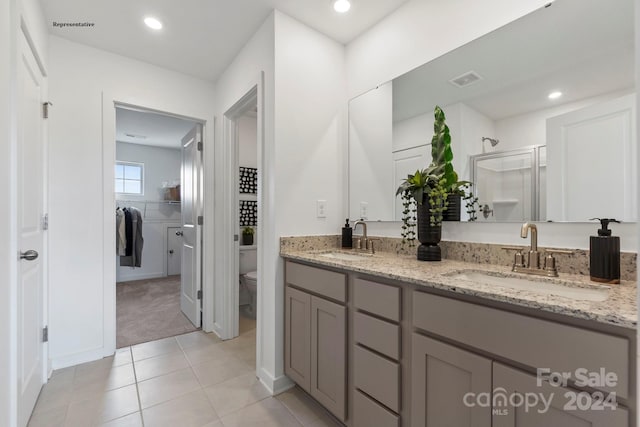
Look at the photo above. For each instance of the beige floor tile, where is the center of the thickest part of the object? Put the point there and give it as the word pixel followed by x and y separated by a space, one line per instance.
pixel 265 413
pixel 324 421
pixel 166 387
pixel 110 406
pixel 216 371
pixel 52 398
pixel 234 394
pixel 92 368
pixel 197 355
pixel 302 406
pixel 131 420
pixel 51 418
pixel 71 370
pixel 190 410
pixel 155 348
pixel 122 356
pixel 95 383
pixel 160 365
pixel 197 339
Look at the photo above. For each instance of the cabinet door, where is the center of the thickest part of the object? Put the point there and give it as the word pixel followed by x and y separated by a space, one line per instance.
pixel 552 412
pixel 297 337
pixel 441 377
pixel 328 355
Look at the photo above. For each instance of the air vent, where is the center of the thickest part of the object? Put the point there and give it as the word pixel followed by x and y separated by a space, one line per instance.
pixel 466 79
pixel 133 135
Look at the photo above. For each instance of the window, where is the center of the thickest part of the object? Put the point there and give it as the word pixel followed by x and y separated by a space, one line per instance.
pixel 130 178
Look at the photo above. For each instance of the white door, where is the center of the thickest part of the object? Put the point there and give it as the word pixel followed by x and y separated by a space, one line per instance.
pixel 30 233
pixel 174 250
pixel 190 302
pixel 582 144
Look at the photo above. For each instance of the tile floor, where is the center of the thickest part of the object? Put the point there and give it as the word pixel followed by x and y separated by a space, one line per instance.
pixel 189 380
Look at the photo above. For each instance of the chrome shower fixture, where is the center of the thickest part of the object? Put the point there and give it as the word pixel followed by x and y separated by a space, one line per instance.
pixel 493 141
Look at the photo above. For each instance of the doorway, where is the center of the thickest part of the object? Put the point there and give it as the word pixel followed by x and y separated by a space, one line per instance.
pixel 157 179
pixel 242 136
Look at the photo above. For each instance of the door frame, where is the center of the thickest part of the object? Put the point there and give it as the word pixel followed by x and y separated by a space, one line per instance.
pixel 109 105
pixel 231 292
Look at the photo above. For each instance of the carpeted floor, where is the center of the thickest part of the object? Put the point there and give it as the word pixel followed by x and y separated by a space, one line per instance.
pixel 148 310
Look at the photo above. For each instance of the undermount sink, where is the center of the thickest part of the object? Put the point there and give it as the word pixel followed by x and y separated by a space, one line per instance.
pixel 560 288
pixel 343 256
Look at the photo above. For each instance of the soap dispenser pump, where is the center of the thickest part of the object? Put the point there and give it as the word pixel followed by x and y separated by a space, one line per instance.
pixel 604 254
pixel 347 235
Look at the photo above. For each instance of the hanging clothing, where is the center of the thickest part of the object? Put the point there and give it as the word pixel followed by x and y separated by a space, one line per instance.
pixel 133 221
pixel 121 236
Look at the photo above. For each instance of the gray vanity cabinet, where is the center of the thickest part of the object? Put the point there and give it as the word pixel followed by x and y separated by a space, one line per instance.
pixel 441 376
pixel 297 355
pixel 559 413
pixel 316 334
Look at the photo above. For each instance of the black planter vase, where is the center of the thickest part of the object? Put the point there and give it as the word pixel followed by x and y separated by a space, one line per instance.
pixel 454 206
pixel 428 235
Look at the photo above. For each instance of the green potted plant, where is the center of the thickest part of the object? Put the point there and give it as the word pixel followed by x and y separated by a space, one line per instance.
pixel 424 193
pixel 247 236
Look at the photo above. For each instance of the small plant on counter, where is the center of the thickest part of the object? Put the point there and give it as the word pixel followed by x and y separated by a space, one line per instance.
pixel 247 235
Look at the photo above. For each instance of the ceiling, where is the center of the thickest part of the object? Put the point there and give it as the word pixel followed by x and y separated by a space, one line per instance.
pixel 150 128
pixel 200 37
pixel 578 47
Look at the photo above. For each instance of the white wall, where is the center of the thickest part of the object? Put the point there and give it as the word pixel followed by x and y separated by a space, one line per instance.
pixel 160 165
pixel 420 31
pixel 253 66
pixel 371 175
pixel 8 248
pixel 82 288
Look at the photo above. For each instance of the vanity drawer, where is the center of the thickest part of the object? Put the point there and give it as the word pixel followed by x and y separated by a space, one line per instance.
pixel 381 336
pixel 376 298
pixel 368 413
pixel 533 342
pixel 377 377
pixel 317 280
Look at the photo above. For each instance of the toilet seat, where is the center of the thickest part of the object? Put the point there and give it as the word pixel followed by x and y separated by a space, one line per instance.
pixel 252 275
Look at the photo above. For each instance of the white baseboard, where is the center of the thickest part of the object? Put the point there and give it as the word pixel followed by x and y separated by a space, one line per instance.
pixel 275 385
pixel 77 358
pixel 131 278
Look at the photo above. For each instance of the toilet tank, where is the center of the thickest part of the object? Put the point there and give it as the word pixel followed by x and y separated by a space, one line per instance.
pixel 248 260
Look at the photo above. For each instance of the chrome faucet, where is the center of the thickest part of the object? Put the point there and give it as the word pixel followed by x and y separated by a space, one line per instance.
pixel 363 242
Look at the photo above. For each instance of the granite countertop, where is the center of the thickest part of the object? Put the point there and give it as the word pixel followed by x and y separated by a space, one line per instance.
pixel 619 309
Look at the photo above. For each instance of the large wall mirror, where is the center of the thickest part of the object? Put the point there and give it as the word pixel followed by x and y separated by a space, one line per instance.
pixel 541 113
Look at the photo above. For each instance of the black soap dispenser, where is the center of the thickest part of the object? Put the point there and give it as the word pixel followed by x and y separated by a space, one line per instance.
pixel 604 254
pixel 347 235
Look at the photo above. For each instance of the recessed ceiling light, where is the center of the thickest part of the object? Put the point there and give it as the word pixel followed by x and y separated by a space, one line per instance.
pixel 341 6
pixel 555 95
pixel 153 23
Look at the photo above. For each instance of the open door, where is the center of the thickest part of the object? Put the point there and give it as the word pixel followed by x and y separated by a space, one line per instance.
pixel 191 285
pixel 30 210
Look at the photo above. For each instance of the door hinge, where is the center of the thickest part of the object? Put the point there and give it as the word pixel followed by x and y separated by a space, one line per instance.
pixel 45 221
pixel 200 146
pixel 235 238
pixel 45 334
pixel 200 294
pixel 200 220
pixel 45 109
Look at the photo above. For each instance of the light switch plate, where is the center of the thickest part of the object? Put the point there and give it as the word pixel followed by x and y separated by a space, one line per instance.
pixel 364 210
pixel 321 208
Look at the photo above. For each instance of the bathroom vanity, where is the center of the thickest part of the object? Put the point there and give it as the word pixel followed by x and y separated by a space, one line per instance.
pixel 385 340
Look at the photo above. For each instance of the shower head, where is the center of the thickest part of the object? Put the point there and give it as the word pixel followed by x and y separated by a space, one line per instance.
pixel 493 141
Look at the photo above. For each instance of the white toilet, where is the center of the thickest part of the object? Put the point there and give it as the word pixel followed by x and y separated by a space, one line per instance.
pixel 249 276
